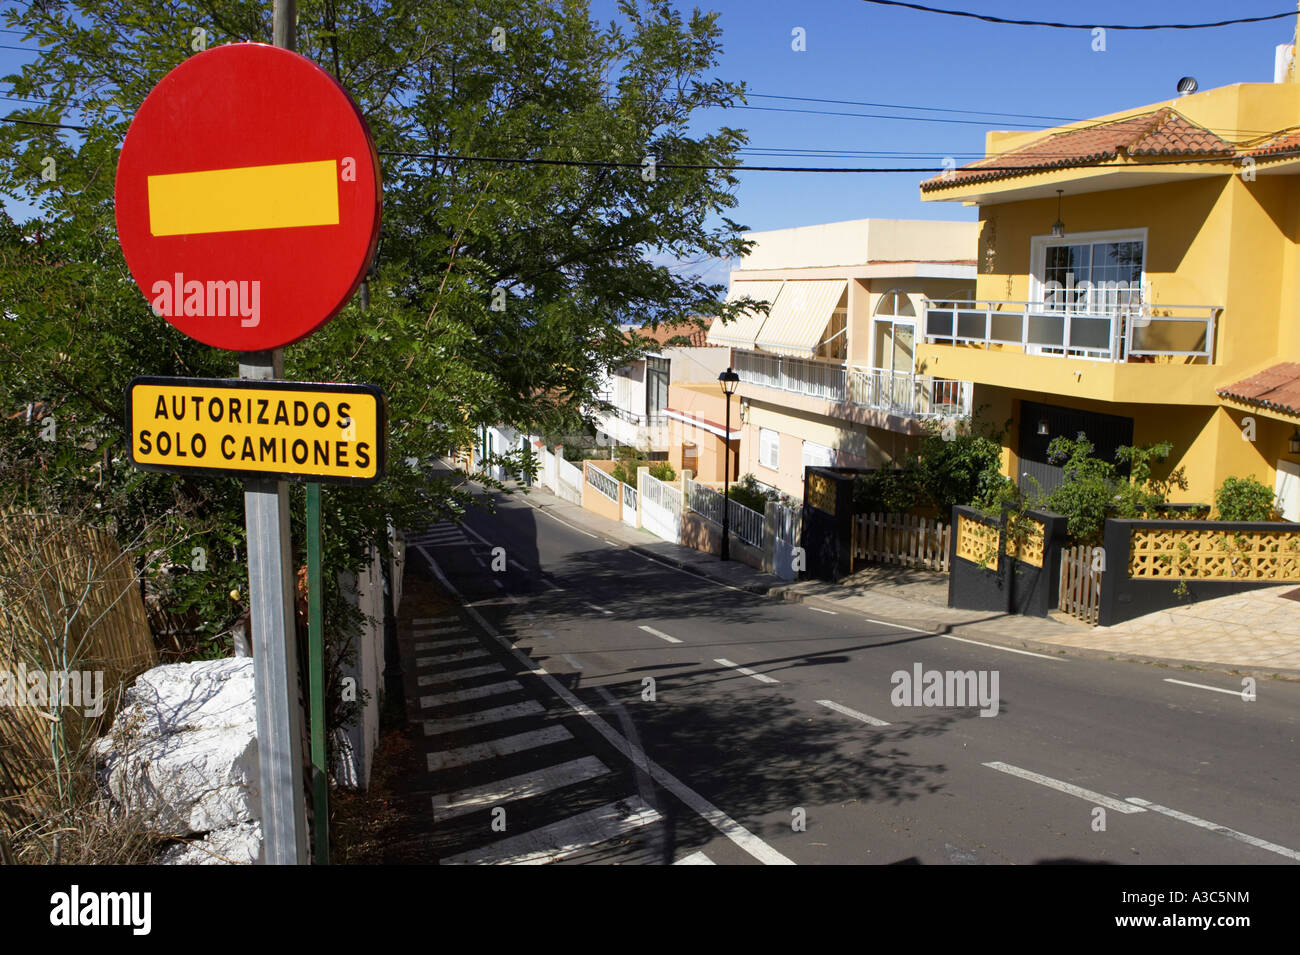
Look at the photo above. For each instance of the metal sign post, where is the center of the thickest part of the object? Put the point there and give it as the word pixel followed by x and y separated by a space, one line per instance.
pixel 275 651
pixel 247 203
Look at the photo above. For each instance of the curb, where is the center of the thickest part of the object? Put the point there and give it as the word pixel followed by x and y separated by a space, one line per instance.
pixel 789 592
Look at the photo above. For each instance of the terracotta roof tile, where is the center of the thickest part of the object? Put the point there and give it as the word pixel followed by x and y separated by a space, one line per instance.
pixel 1287 142
pixel 1277 387
pixel 664 333
pixel 1163 132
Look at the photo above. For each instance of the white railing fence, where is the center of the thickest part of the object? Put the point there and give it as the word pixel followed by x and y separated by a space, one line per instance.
pixel 800 375
pixel 745 523
pixel 661 509
pixel 918 396
pixel 604 483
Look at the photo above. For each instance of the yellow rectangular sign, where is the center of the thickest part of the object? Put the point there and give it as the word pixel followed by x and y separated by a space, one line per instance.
pixel 247 428
pixel 280 196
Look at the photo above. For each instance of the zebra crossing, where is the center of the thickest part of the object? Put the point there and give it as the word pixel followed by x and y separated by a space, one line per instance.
pixel 509 782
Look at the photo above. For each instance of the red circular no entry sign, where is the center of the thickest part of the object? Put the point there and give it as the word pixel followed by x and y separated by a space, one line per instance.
pixel 248 197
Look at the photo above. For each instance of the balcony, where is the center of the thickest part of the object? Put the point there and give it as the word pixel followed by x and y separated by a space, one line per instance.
pixel 1117 352
pixel 876 389
pixel 909 395
pixel 816 379
pixel 1100 331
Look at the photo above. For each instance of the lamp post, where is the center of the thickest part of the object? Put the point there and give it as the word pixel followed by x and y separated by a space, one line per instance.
pixel 729 381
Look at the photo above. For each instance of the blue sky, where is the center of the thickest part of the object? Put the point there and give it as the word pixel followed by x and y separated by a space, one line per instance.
pixel 860 51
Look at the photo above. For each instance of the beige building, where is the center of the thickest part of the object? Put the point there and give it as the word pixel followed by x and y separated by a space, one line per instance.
pixel 829 368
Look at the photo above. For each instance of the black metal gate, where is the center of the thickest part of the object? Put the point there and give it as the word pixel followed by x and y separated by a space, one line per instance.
pixel 1039 424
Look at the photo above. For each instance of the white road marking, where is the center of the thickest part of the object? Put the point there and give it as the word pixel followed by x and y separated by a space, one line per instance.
pixel 733 830
pixel 1202 686
pixel 991 646
pixel 439 644
pixel 833 613
pixel 600 609
pixel 572 662
pixel 695 858
pixel 1214 827
pixel 472 693
pixel 442 659
pixel 1073 790
pixel 431 631
pixel 498 582
pixel 832 705
pixel 658 633
pixel 483 717
pixel 451 805
pixel 567 524
pixel 762 677
pixel 655 838
pixel 562 839
pixel 505 746
pixel 422 621
pixel 451 676
pixel 553 586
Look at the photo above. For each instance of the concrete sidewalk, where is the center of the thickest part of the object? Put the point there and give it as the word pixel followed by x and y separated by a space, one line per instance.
pixel 1255 633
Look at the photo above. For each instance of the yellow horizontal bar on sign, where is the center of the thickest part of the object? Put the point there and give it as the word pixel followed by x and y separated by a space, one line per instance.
pixel 282 196
pixel 328 435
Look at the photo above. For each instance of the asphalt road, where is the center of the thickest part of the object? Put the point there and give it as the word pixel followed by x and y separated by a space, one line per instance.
pixel 593 705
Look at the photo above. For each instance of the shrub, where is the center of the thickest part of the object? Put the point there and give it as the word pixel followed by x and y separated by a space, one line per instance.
pixel 747 493
pixel 1244 499
pixel 660 471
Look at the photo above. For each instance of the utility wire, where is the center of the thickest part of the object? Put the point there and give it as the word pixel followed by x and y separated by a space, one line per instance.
pixel 988 18
pixel 715 167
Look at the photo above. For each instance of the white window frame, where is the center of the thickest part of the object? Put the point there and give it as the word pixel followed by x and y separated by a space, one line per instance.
pixel 894 319
pixel 826 460
pixel 1038 246
pixel 1285 498
pixel 769 439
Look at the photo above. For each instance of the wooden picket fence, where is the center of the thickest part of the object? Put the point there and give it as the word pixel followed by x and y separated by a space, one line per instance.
pixel 904 539
pixel 1080 584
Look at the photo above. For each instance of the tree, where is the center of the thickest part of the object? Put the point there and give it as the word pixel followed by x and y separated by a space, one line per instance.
pixel 499 287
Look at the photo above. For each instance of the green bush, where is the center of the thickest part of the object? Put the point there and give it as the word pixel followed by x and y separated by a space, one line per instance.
pixel 747 493
pixel 661 471
pixel 956 463
pixel 1093 490
pixel 1244 499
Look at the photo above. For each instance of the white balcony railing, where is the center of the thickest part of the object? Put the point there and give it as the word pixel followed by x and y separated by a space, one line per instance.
pixel 902 393
pixel 913 396
pixel 1108 331
pixel 803 377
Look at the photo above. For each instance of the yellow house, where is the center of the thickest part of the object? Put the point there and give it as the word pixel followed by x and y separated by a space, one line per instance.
pixel 827 371
pixel 1139 280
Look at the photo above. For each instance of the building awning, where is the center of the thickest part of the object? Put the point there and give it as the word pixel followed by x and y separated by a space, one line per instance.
pixel 1275 389
pixel 799 318
pixel 742 332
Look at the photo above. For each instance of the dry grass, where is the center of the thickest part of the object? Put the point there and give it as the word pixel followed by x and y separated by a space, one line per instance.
pixel 69 604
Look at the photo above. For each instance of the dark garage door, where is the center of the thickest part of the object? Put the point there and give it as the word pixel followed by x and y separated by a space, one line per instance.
pixel 1106 432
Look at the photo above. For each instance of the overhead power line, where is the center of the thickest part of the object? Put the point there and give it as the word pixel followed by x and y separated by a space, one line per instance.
pixel 718 167
pixel 927 109
pixel 1008 21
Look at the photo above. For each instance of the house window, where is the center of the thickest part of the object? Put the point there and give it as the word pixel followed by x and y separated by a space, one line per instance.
pixel 1101 275
pixel 656 386
pixel 818 455
pixel 895 324
pixel 769 443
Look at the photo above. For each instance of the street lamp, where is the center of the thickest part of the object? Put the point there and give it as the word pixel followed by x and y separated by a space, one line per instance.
pixel 729 381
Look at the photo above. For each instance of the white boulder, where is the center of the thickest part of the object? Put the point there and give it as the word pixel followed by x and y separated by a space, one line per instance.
pixel 182 752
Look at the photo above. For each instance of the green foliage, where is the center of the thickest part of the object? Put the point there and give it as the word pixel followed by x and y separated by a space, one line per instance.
pixel 663 471
pixel 578 250
pixel 1244 499
pixel 955 463
pixel 1093 490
